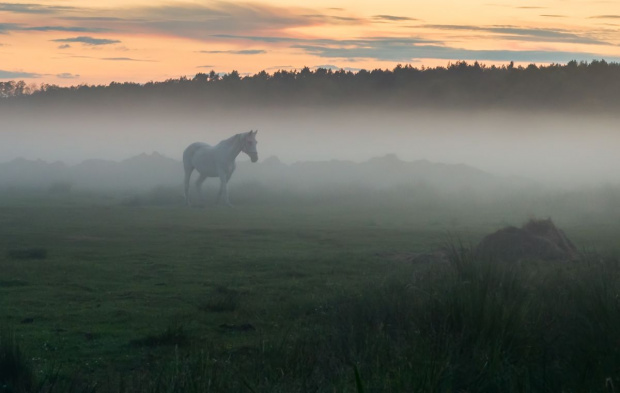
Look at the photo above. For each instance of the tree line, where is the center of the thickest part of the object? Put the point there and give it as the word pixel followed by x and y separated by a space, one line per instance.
pixel 575 85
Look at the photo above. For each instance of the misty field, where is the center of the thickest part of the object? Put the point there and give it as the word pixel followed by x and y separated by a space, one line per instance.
pixel 351 262
pixel 114 292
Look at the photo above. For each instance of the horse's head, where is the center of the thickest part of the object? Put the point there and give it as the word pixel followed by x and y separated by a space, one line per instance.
pixel 249 145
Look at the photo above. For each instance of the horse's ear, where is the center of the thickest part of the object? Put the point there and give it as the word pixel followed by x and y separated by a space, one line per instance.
pixel 255 132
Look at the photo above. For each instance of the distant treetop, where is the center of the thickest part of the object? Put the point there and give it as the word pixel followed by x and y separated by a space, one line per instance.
pixel 575 85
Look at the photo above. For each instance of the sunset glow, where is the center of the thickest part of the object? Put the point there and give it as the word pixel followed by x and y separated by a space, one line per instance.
pixel 75 42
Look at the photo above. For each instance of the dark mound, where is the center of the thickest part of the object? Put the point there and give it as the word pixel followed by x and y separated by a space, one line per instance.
pixel 536 240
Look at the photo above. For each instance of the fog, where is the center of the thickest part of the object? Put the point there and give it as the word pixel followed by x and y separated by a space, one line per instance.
pixel 556 149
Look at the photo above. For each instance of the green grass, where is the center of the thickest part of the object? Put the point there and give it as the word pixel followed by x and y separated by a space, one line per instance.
pixel 133 297
pixel 115 273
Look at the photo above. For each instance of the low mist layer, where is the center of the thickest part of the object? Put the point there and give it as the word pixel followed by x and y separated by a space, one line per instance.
pixel 555 124
pixel 558 149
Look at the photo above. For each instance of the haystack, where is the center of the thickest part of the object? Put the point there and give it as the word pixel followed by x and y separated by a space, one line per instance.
pixel 536 240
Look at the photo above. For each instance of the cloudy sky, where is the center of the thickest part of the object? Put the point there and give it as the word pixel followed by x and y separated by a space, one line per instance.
pixel 70 42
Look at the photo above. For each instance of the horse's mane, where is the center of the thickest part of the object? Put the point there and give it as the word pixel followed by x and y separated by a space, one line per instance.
pixel 231 139
pixel 227 140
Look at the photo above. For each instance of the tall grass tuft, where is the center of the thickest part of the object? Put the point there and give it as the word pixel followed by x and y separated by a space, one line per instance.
pixel 593 357
pixel 16 372
pixel 466 326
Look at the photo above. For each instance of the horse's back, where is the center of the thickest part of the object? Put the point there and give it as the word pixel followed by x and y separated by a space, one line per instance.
pixel 201 156
pixel 191 150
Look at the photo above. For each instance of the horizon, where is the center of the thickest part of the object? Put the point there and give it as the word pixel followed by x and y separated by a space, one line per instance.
pixel 137 41
pixel 30 88
pixel 155 153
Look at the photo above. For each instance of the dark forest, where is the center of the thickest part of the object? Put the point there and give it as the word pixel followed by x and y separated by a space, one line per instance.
pixel 587 86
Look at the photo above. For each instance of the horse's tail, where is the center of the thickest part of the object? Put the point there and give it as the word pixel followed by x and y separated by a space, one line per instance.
pixel 188 166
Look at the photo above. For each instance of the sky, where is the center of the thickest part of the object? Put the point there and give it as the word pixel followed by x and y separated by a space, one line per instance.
pixel 71 42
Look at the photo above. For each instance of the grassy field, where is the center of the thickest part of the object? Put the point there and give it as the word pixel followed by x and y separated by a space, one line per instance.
pixel 104 295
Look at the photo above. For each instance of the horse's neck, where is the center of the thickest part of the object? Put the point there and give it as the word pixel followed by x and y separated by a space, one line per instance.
pixel 231 147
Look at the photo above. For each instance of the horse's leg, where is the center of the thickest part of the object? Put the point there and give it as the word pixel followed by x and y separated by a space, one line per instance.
pixel 219 194
pixel 188 173
pixel 199 181
pixel 223 195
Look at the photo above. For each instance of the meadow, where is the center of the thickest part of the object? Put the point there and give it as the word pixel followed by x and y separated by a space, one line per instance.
pixel 122 292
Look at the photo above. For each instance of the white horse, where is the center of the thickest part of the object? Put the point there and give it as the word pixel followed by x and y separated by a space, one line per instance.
pixel 217 161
